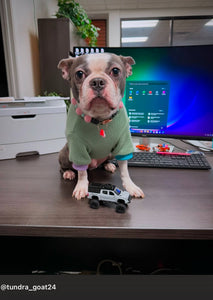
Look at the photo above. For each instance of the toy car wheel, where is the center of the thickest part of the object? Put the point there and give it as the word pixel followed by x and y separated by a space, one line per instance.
pixel 94 203
pixel 120 208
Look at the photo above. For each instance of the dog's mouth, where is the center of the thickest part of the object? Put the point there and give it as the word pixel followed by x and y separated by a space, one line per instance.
pixel 100 103
pixel 99 108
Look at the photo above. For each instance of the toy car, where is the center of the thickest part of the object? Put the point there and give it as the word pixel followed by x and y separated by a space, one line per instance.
pixel 143 147
pixel 108 193
pixel 163 148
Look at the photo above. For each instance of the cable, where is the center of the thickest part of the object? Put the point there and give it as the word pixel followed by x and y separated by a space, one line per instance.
pixel 165 271
pixel 113 264
pixel 201 148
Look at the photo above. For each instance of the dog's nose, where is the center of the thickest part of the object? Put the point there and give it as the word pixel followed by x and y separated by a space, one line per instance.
pixel 97 84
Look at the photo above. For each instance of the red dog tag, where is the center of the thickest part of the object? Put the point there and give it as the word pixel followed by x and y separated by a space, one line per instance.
pixel 102 133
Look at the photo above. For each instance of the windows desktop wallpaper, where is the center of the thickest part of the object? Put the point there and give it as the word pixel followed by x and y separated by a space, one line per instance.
pixel 188 72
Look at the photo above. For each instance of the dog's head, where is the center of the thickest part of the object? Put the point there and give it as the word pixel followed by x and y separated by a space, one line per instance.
pixel 97 81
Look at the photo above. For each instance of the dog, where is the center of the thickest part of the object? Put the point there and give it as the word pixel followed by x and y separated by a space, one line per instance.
pixel 97 123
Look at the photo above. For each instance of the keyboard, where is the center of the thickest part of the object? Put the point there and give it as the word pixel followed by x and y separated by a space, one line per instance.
pixel 177 161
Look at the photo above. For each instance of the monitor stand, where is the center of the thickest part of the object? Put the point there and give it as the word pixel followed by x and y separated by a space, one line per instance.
pixel 144 140
pixel 147 140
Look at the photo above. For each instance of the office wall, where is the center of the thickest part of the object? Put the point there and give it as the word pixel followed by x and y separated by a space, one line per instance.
pixel 115 16
pixel 20 25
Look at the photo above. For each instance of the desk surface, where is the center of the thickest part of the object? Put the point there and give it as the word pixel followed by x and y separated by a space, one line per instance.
pixel 36 201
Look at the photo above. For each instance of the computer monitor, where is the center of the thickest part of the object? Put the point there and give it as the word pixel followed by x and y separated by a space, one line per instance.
pixel 170 93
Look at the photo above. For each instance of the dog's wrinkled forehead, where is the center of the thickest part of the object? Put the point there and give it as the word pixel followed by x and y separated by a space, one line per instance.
pixel 102 62
pixel 94 63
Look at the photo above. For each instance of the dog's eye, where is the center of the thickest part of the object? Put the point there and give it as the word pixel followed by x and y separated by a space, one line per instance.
pixel 79 75
pixel 115 72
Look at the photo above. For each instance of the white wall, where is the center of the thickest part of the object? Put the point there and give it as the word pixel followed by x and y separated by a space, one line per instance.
pixel 21 43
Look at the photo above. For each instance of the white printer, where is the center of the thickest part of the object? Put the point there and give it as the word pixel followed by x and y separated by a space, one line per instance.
pixel 31 125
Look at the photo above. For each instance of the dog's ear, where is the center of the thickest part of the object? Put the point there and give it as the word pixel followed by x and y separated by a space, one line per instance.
pixel 128 61
pixel 65 65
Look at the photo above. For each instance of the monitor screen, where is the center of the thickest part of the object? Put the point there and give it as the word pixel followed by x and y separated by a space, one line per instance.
pixel 170 92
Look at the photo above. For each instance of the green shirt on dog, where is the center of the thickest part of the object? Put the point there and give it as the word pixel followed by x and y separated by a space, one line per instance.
pixel 85 142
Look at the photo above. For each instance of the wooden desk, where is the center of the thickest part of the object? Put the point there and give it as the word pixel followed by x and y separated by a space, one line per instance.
pixel 36 201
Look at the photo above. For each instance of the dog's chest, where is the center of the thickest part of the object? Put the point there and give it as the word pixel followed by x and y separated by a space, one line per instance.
pixel 87 135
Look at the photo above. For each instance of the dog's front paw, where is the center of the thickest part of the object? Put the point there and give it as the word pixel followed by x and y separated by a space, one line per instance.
pixel 133 189
pixel 81 190
pixel 110 167
pixel 69 175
